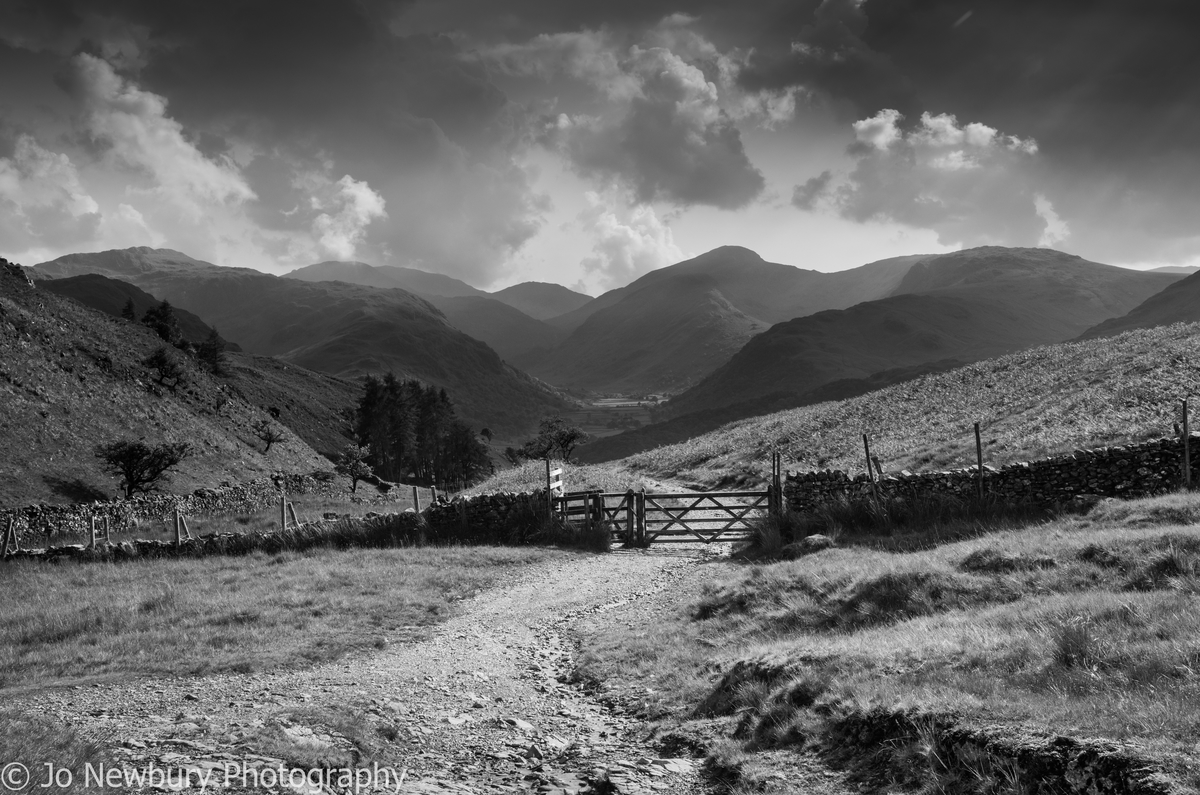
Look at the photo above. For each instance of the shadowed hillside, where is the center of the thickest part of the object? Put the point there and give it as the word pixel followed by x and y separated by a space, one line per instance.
pixel 337 328
pixel 1179 302
pixel 658 333
pixel 110 296
pixel 541 300
pixel 72 378
pixel 505 329
pixel 966 305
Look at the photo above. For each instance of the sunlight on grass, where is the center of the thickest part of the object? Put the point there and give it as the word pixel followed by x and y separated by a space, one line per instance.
pixel 1087 626
pixel 79 622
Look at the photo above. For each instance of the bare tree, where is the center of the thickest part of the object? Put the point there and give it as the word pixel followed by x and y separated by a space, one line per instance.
pixel 268 433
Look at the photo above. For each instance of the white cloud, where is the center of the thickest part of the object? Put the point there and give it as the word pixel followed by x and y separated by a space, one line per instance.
pixel 43 203
pixel 880 131
pixel 354 205
pixel 1056 230
pixel 134 124
pixel 625 249
pixel 969 183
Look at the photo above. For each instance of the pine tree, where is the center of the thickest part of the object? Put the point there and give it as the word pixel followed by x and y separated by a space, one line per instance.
pixel 212 353
pixel 129 312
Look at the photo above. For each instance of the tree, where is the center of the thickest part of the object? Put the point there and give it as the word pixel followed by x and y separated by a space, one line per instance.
pixel 486 433
pixel 129 312
pixel 555 436
pixel 140 467
pixel 166 368
pixel 268 433
pixel 161 319
pixel 352 463
pixel 212 352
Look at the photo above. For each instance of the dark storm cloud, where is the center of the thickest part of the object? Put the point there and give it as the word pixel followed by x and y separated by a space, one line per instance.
pixel 300 94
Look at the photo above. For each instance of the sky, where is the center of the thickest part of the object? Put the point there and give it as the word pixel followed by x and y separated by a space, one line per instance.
pixel 588 143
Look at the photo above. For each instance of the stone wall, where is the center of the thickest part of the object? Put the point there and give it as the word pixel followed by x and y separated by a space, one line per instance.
pixel 500 517
pixel 39 521
pixel 1134 470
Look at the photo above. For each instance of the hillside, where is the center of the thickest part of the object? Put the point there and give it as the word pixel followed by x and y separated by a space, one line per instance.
pixel 966 306
pixel 680 337
pixel 1032 403
pixel 421 283
pixel 333 327
pixel 497 323
pixel 541 300
pixel 71 378
pixel 110 296
pixel 656 339
pixel 1178 302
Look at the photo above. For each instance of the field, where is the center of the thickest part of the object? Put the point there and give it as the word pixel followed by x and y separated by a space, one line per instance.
pixel 609 416
pixel 1030 404
pixel 1085 626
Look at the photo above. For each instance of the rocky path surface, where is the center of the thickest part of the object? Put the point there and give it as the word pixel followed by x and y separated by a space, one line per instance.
pixel 482 706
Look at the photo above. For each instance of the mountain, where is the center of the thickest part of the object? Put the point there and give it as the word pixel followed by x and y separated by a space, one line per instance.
pixel 541 300
pixel 110 296
pixel 414 281
pixel 504 328
pixel 1184 269
pixel 670 328
pixel 966 305
pixel 72 378
pixel 508 331
pixel 334 327
pixel 1178 302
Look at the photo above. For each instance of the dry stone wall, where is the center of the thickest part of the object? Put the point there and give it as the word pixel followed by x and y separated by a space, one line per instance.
pixel 1134 470
pixel 498 517
pixel 40 521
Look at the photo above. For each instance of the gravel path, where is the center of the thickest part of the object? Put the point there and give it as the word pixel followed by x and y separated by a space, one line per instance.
pixel 482 706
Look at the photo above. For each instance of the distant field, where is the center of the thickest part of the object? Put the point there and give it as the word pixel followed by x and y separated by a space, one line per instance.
pixel 1088 627
pixel 603 418
pixel 1030 404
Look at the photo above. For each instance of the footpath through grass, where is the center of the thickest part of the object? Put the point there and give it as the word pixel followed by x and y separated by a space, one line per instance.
pixel 69 623
pixel 1087 627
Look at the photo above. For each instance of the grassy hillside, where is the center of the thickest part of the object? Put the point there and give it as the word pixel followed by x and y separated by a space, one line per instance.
pixel 72 378
pixel 541 300
pixel 1032 403
pixel 337 328
pixel 110 296
pixel 1178 303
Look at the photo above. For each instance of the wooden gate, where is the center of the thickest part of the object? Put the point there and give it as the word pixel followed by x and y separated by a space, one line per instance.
pixel 639 518
pixel 642 518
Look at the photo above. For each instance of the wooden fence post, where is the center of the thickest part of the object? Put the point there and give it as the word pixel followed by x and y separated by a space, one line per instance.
pixel 8 535
pixel 641 518
pixel 432 494
pixel 979 461
pixel 92 543
pixel 1187 450
pixel 630 517
pixel 295 518
pixel 416 500
pixel 870 469
pixel 282 512
pixel 107 532
pixel 187 531
pixel 178 539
